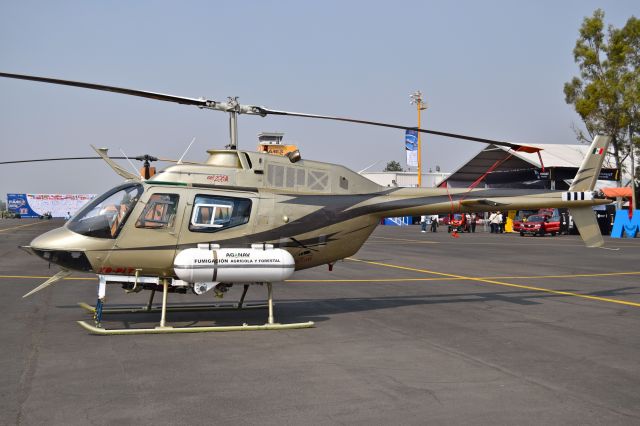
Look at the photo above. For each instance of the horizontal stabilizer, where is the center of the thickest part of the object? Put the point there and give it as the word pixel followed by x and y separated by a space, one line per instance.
pixel 577 196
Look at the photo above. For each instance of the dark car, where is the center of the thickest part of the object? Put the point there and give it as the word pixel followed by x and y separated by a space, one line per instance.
pixel 540 224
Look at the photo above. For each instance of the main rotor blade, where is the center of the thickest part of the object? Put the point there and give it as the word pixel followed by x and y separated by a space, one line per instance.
pixel 81 158
pixel 515 146
pixel 254 110
pixel 122 90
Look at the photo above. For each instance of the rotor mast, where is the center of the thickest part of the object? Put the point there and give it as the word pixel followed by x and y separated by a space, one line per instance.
pixel 233 123
pixel 234 109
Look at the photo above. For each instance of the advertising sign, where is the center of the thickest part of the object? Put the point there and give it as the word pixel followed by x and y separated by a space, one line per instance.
pixel 17 203
pixel 625 224
pixel 411 146
pixel 36 205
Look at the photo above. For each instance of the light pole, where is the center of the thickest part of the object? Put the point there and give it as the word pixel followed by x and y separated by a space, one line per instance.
pixel 416 99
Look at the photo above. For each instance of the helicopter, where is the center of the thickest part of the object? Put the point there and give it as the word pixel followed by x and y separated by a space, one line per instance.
pixel 253 218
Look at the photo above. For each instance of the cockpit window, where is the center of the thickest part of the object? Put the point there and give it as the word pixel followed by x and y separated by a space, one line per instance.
pixel 105 216
pixel 160 212
pixel 212 213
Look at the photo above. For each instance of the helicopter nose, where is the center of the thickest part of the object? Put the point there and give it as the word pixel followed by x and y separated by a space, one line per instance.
pixel 62 247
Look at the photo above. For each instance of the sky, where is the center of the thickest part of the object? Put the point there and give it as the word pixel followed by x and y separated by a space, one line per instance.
pixel 492 69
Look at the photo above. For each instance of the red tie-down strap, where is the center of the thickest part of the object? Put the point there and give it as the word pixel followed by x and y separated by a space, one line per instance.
pixel 489 170
pixel 541 163
pixel 528 149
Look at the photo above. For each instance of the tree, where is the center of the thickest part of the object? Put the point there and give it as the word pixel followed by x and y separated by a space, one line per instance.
pixel 393 166
pixel 607 93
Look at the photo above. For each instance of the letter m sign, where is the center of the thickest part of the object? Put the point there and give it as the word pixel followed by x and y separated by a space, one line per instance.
pixel 623 223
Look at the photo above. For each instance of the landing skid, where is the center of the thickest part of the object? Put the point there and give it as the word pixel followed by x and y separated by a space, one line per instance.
pixel 169 330
pixel 164 329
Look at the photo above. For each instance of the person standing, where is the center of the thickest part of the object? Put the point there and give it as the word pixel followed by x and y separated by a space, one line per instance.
pixel 423 223
pixel 501 222
pixel 564 223
pixel 434 223
pixel 473 222
pixel 492 221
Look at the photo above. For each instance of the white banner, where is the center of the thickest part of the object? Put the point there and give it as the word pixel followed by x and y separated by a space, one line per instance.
pixel 412 158
pixel 59 205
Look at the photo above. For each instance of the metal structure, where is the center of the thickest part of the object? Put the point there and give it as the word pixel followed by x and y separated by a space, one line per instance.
pixel 416 99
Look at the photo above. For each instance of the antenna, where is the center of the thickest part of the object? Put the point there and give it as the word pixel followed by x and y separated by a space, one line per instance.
pixel 368 167
pixel 186 150
pixel 134 167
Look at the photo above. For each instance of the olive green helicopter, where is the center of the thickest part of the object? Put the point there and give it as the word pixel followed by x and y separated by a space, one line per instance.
pixel 244 218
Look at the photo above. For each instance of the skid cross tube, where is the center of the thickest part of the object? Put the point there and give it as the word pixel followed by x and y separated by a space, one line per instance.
pixel 163 328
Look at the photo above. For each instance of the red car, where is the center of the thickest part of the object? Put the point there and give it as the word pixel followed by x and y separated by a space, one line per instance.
pixel 522 218
pixel 517 225
pixel 457 222
pixel 539 224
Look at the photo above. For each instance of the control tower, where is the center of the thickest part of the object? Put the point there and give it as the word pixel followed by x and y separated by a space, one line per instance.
pixel 271 142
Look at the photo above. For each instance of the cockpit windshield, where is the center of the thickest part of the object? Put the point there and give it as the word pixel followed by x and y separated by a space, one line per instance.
pixel 105 216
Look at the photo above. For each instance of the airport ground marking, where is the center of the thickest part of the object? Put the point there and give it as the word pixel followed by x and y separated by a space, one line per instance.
pixel 605 274
pixel 613 245
pixel 379 280
pixel 622 242
pixel 20 226
pixel 46 277
pixel 406 239
pixel 382 280
pixel 490 281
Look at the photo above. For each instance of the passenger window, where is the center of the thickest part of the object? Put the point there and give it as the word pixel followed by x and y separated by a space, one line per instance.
pixel 159 213
pixel 212 213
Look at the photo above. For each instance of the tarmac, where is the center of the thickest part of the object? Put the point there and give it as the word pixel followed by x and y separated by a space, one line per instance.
pixel 416 328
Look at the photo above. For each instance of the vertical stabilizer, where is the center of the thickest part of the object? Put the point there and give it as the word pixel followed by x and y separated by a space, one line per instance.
pixel 584 218
pixel 589 171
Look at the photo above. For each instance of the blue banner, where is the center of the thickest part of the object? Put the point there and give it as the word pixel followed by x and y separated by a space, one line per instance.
pixel 411 146
pixel 18 204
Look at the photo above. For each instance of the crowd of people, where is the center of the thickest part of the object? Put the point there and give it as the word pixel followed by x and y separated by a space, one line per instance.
pixel 430 222
pixel 496 221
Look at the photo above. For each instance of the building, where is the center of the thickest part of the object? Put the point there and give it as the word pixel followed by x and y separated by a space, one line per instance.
pixel 405 179
pixel 554 167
